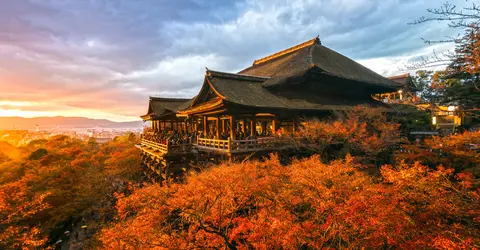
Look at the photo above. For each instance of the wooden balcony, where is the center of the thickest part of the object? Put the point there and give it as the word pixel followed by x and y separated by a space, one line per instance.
pixel 239 146
pixel 156 148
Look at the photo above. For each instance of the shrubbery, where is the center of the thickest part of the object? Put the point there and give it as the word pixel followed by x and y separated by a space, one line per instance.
pixel 306 205
pixel 61 182
pixel 363 132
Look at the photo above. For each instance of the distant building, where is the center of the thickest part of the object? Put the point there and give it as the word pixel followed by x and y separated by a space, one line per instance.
pixel 406 94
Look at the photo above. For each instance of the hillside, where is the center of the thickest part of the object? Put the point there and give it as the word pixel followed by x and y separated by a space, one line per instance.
pixel 10 151
pixel 62 122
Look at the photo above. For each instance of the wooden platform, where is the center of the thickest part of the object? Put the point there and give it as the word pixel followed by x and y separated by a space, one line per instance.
pixel 170 161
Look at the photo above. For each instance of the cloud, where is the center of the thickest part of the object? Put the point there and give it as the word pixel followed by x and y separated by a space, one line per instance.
pixel 106 57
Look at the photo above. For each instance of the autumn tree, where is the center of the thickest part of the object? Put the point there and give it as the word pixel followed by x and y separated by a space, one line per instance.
pixel 459 83
pixel 364 132
pixel 459 151
pixel 62 182
pixel 305 205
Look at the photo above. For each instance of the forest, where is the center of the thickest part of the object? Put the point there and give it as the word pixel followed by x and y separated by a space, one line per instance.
pixel 372 189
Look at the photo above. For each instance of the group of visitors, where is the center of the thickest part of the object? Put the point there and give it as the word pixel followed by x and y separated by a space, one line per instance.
pixel 239 135
pixel 172 137
pixel 178 137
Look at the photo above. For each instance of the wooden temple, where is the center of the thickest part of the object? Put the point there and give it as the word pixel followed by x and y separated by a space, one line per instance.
pixel 249 111
pixel 406 94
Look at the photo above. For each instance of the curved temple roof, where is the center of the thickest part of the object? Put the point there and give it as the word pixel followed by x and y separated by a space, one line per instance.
pixel 159 107
pixel 297 60
pixel 256 85
pixel 248 91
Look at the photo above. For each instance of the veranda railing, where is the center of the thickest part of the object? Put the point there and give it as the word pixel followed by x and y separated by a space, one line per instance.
pixel 236 146
pixel 167 147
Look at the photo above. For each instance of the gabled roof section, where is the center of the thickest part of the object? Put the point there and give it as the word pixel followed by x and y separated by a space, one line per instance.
pixel 400 78
pixel 159 106
pixel 287 51
pixel 212 73
pixel 297 60
pixel 208 91
pixel 405 81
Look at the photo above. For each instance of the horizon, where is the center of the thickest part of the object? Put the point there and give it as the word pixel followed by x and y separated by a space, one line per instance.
pixel 60 116
pixel 102 60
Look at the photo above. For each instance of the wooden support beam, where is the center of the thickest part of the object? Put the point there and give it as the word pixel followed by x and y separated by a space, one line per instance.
pixel 223 125
pixel 233 127
pixel 274 126
pixel 253 126
pixel 294 124
pixel 217 123
pixel 205 124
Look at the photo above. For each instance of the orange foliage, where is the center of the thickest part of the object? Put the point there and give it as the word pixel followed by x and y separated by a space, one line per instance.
pixel 364 133
pixel 458 151
pixel 62 181
pixel 308 204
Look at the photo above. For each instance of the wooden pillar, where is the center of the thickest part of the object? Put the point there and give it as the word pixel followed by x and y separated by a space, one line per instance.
pixel 232 127
pixel 223 125
pixel 218 128
pixel 274 126
pixel 205 124
pixel 294 125
pixel 185 124
pixel 253 126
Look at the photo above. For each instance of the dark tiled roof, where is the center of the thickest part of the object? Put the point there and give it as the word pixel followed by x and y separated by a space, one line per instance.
pixel 405 81
pixel 297 60
pixel 242 90
pixel 400 78
pixel 162 106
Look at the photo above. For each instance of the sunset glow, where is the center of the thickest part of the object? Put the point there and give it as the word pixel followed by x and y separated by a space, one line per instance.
pixel 119 54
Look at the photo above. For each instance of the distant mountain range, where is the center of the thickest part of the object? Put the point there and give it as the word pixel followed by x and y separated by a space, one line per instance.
pixel 60 122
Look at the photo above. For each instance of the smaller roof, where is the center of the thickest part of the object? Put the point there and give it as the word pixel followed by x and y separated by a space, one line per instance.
pixel 405 80
pixel 400 78
pixel 159 107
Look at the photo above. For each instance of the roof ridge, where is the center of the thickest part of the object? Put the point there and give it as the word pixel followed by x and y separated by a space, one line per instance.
pixel 316 40
pixel 236 76
pixel 172 99
pixel 399 76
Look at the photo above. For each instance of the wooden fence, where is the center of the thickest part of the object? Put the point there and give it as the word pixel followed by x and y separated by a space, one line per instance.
pixel 166 148
pixel 238 146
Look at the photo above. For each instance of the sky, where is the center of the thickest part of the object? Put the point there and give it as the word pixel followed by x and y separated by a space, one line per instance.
pixel 103 58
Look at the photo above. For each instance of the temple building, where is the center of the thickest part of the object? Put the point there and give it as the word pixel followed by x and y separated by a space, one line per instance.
pixel 248 111
pixel 406 94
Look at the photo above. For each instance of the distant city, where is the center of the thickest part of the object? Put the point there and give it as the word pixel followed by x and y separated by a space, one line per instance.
pixel 20 131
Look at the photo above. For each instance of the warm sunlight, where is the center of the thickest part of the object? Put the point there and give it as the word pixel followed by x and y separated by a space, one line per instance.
pixel 28 110
pixel 245 124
